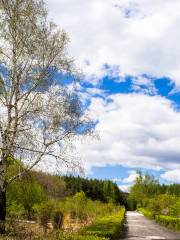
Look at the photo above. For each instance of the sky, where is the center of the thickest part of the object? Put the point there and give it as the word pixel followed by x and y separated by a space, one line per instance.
pixel 129 53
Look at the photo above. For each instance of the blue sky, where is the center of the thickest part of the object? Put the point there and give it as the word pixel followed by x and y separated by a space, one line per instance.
pixel 161 91
pixel 129 53
pixel 164 88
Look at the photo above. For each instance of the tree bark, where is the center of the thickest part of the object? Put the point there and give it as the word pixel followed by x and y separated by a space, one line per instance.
pixel 2 198
pixel 2 210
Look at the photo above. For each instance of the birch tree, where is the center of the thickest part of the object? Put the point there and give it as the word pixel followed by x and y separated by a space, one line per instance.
pixel 39 116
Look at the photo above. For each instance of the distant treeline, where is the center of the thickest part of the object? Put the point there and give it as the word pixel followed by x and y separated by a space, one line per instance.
pixel 103 190
pixel 63 186
pixel 147 187
pixel 173 189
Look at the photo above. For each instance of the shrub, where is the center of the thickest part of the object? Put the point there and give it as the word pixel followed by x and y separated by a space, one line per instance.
pixel 81 208
pixel 44 212
pixel 175 209
pixel 163 204
pixel 108 226
pixel 15 210
pixel 168 221
pixel 78 210
pixel 58 220
pixel 146 213
pixel 81 237
pixel 25 194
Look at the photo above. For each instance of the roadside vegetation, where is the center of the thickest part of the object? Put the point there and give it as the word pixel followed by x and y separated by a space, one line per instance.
pixel 41 205
pixel 109 227
pixel 156 201
pixel 103 190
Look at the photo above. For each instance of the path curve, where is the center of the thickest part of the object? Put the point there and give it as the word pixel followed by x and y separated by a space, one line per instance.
pixel 138 227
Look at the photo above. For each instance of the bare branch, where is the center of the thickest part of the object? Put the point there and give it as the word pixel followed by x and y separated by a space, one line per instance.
pixel 42 116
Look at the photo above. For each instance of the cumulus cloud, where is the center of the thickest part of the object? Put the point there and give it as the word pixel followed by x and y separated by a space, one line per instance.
pixel 117 38
pixel 131 178
pixel 136 130
pixel 140 36
pixel 172 176
pixel 125 188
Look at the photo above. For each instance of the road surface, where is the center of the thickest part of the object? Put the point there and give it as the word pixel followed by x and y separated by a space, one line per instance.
pixel 138 227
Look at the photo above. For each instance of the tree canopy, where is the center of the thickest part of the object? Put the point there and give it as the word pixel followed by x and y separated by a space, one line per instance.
pixel 103 190
pixel 40 115
pixel 147 187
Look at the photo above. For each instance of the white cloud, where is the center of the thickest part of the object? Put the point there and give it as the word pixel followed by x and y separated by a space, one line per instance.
pixel 95 91
pixel 125 188
pixel 144 85
pixel 132 37
pixel 135 130
pixel 172 176
pixel 141 36
pixel 131 178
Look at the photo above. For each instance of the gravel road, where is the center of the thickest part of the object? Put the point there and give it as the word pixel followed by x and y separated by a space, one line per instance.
pixel 138 227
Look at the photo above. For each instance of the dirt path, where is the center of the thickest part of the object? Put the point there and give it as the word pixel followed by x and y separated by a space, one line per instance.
pixel 138 227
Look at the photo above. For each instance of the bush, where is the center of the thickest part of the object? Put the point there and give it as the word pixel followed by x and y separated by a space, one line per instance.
pixel 83 209
pixel 175 209
pixel 161 204
pixel 24 194
pixel 58 220
pixel 81 237
pixel 146 213
pixel 15 210
pixel 78 210
pixel 45 212
pixel 109 226
pixel 168 221
pixel 104 228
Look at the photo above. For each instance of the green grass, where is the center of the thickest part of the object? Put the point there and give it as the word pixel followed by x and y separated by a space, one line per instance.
pixel 167 221
pixel 80 237
pixel 146 213
pixel 109 227
pixel 104 228
pixel 66 236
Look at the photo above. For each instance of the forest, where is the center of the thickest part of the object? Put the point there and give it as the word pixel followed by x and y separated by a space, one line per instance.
pixel 103 190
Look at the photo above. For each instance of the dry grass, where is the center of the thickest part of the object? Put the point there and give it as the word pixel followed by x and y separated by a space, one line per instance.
pixel 27 230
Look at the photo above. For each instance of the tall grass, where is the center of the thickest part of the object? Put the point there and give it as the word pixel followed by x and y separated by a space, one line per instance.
pixel 109 226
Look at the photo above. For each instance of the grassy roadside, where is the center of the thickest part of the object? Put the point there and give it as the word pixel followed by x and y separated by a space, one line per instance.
pixel 167 221
pixel 109 227
pixel 103 228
